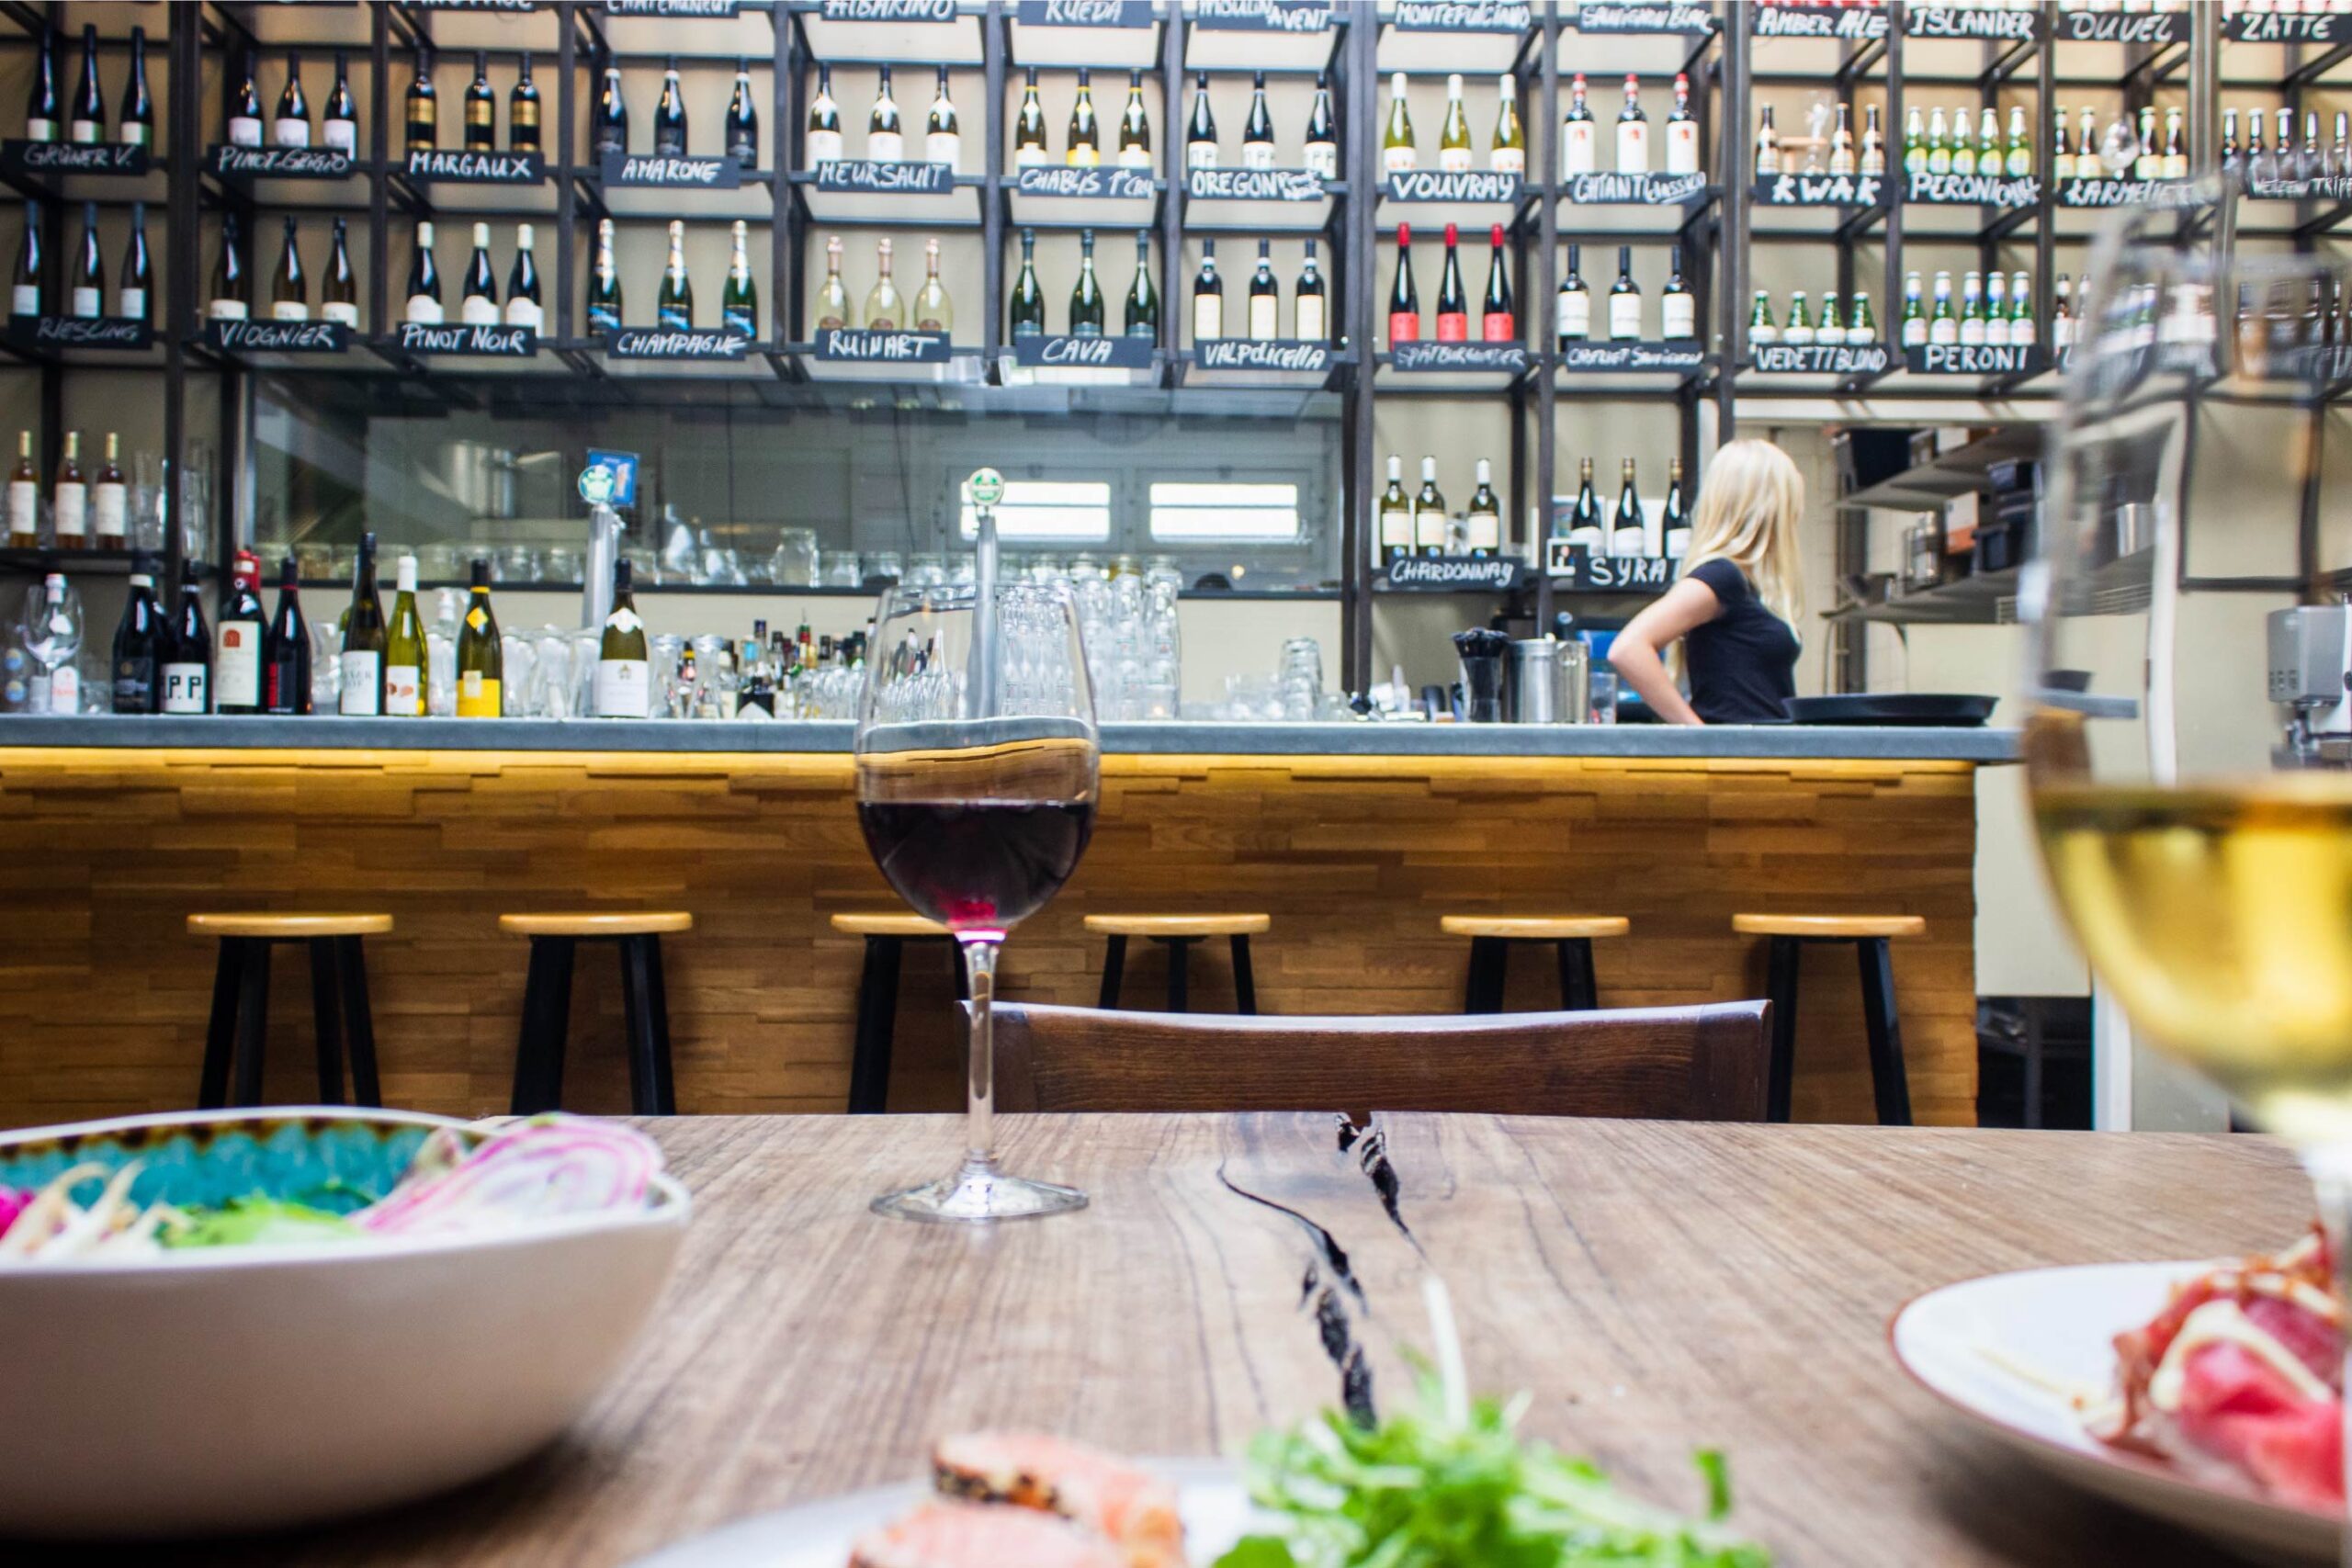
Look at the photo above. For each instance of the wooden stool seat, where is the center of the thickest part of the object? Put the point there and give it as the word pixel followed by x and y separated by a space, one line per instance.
pixel 1829 928
pixel 1179 928
pixel 595 926
pixel 1535 928
pixel 903 926
pixel 288 928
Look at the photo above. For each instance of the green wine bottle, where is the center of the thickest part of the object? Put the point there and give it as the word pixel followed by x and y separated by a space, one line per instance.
pixel 481 658
pixel 1086 298
pixel 361 665
pixel 623 673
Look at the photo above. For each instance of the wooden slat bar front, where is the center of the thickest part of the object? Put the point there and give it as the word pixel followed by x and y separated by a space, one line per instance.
pixel 105 851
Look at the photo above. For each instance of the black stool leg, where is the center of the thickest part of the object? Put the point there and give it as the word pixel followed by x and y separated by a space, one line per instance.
pixel 546 1010
pixel 323 1009
pixel 1579 990
pixel 1888 1085
pixel 220 1032
pixel 877 1017
pixel 657 995
pixel 1781 989
pixel 645 1043
pixel 1244 981
pixel 253 1022
pixel 1114 963
pixel 956 967
pixel 1489 970
pixel 1180 952
pixel 359 1023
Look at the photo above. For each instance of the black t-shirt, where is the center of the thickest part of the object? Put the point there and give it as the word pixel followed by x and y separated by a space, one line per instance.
pixel 1742 663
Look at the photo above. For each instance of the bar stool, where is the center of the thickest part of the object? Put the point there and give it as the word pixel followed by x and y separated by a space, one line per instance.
pixel 1571 936
pixel 886 936
pixel 240 1024
pixel 1177 933
pixel 546 1004
pixel 1869 933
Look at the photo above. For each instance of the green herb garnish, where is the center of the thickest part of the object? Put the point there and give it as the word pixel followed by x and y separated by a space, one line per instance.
pixel 257 1221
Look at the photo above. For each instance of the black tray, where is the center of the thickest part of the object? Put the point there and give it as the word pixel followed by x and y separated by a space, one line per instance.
pixel 1943 710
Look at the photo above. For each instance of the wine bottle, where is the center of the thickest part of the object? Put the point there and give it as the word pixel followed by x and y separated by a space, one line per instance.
pixel 605 284
pixel 1265 296
pixel 481 108
pixel 1397 154
pixel 245 105
pixel 821 142
pixel 232 287
pixel 407 664
pixel 25 290
pixel 742 125
pixel 1507 155
pixel 1674 523
pixel 1768 142
pixel 1086 298
pixel 1135 127
pixel 339 120
pixel 1633 131
pixel 1029 128
pixel 291 125
pixel 238 640
pixel 88 126
pixel 523 283
pixel 482 657
pixel 738 303
pixel 622 688
pixel 69 498
pixel 1199 136
pixel 188 652
pixel 886 141
pixel 673 306
pixel 478 302
pixel 1395 516
pixel 422 115
pixel 1258 130
pixel 87 294
pixel 832 297
pixel 670 113
pixel 934 312
pixel 1322 154
pixel 110 498
pixel 1025 311
pixel 1404 298
pixel 138 649
pixel 1084 148
pixel 1579 150
pixel 138 127
pixel 1630 536
pixel 423 280
pixel 289 289
pixel 286 651
pixel 1453 133
pixel 24 497
pixel 44 108
pixel 1484 530
pixel 1682 133
pixel 1872 162
pixel 1499 317
pixel 885 311
pixel 1308 302
pixel 1584 522
pixel 1677 308
pixel 523 110
pixel 339 291
pixel 1429 515
pixel 609 135
pixel 1452 299
pixel 1143 299
pixel 1624 300
pixel 1208 297
pixel 1574 304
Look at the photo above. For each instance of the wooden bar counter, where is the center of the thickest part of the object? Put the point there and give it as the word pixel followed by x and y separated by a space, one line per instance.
pixel 1354 839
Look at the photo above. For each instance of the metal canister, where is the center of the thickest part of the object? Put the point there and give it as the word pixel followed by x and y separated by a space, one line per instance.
pixel 1571 682
pixel 1534 681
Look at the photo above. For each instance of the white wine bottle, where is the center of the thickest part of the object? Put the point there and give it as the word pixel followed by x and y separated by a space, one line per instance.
pixel 481 658
pixel 407 664
pixel 623 686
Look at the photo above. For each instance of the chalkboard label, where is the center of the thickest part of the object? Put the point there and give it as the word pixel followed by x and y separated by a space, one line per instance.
pixel 1818 190
pixel 1823 358
pixel 478 340
pixel 1576 569
pixel 2288 26
pixel 1494 572
pixel 718 172
pixel 887 10
pixel 1616 357
pixel 2162 193
pixel 1254 185
pixel 456 166
pixel 1083 13
pixel 1264 16
pixel 1419 356
pixel 1262 353
pixel 1461 15
pixel 66 158
pixel 857 346
pixel 1972 190
pixel 1122 353
pixel 1642 190
pixel 1677 16
pixel 230 163
pixel 2319 188
pixel 1469 185
pixel 716 10
pixel 516 5
pixel 1856 23
pixel 2122 27
pixel 1101 182
pixel 80 331
pixel 894 179
pixel 1972 359
pixel 1971 21
pixel 277 337
pixel 675 343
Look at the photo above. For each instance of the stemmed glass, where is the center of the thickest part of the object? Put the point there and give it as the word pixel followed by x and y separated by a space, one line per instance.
pixel 976 779
pixel 2199 837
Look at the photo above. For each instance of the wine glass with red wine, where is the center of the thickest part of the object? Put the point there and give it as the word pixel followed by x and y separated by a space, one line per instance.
pixel 977 778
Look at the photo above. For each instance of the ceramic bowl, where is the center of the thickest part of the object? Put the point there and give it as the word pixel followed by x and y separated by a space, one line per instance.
pixel 250 1388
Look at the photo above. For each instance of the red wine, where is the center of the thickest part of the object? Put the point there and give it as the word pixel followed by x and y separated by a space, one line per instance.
pixel 978 865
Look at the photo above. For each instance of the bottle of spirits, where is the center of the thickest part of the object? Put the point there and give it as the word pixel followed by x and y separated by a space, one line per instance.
pixel 44 107
pixel 1573 306
pixel 1323 132
pixel 1674 521
pixel 1143 299
pixel 421 113
pixel 1798 333
pixel 1761 329
pixel 673 306
pixel 407 663
pixel 1579 153
pixel 1768 143
pixel 239 640
pixel 1872 161
pixel 24 497
pixel 522 284
pixel 1683 131
pixel 742 123
pixel 1025 311
pixel 1208 297
pixel 942 133
pixel 481 108
pixel 1395 516
pixel 289 290
pixel 1483 531
pixel 1943 325
pixel 821 142
pixel 1258 130
pixel 138 649
pixel 670 112
pixel 1585 530
pixel 1135 127
pixel 87 295
pixel 232 298
pixel 1498 315
pixel 1404 298
pixel 138 125
pixel 1429 515
pixel 110 498
pixel 1624 300
pixel 1265 296
pixel 1311 318
pixel 933 312
pixel 1086 297
pixel 1630 535
pixel 886 141
pixel 622 689
pixel 1199 136
pixel 738 303
pixel 1453 133
pixel 286 652
pixel 481 658
pixel 1678 306
pixel 87 127
pixel 1915 315
pixel 605 282
pixel 1508 152
pixel 1633 131
pixel 188 652
pixel 1397 154
pixel 245 105
pixel 69 498
pixel 523 110
pixel 423 280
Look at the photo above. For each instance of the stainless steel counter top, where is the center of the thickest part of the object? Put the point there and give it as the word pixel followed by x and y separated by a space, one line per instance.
pixel 185 732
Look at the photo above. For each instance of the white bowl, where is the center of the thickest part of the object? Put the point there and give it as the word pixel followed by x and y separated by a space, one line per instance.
pixel 249 1388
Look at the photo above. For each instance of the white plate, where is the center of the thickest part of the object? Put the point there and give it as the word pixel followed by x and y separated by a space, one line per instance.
pixel 818 1535
pixel 2008 1349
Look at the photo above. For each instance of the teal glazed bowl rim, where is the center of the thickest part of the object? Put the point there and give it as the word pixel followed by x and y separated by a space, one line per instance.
pixel 667 1204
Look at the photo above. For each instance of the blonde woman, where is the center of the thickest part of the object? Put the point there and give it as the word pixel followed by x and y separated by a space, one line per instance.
pixel 1736 608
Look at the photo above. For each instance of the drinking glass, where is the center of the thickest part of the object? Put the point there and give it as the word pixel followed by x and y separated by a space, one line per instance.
pixel 976 786
pixel 2198 838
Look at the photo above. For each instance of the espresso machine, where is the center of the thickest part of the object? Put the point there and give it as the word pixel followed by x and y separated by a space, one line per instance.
pixel 2310 675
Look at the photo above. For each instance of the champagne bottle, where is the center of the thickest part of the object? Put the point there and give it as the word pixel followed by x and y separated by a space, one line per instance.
pixel 286 652
pixel 832 296
pixel 482 657
pixel 245 105
pixel 110 499
pixel 339 130
pixel 1397 154
pixel 1453 133
pixel 69 499
pixel 25 290
pixel 1308 302
pixel 423 280
pixel 1143 299
pixel 1208 297
pixel 481 108
pixel 669 114
pixel 1499 317
pixel 1675 521
pixel 138 127
pixel 87 294
pixel 1084 147
pixel 673 306
pixel 1573 307
pixel 1265 296
pixel 1322 154
pixel 1258 130
pixel 884 310
pixel 232 287
pixel 1633 131
pixel 1135 127
pixel 423 111
pixel 934 312
pixel 886 141
pixel 239 640
pixel 522 284
pixel 188 652
pixel 24 497
pixel 1584 522
pixel 821 141
pixel 138 649
pixel 339 294
pixel 44 109
pixel 289 290
pixel 1086 298
pixel 623 689
pixel 1624 300
pixel 1630 536
pixel 1508 152
pixel 1682 132
pixel 1395 516
pixel 1428 514
pixel 1484 533
pixel 605 284
pixel 478 305
pixel 738 303
pixel 942 140
pixel 1199 136
pixel 88 126
pixel 742 125
pixel 1579 151
pixel 523 110
pixel 1452 299
pixel 407 671
pixel 1768 143
pixel 609 135
pixel 1029 128
pixel 1404 298
pixel 1678 306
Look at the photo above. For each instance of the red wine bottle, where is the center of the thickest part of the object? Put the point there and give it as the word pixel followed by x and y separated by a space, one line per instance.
pixel 1453 300
pixel 286 656
pixel 1499 321
pixel 1403 299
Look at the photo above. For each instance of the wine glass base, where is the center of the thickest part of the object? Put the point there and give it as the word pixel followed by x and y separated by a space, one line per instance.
pixel 978 1194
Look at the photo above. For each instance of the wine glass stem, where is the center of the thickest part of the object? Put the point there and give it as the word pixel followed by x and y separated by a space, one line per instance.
pixel 979 969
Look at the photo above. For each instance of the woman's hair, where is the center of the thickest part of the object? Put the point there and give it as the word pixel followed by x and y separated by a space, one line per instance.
pixel 1749 501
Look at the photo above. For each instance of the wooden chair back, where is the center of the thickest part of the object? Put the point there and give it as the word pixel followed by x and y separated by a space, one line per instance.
pixel 1698 1063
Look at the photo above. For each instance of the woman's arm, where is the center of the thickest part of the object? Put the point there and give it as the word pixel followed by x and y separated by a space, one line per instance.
pixel 1688 604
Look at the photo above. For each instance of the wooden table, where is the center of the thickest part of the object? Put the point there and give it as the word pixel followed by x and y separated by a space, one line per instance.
pixel 1657 1287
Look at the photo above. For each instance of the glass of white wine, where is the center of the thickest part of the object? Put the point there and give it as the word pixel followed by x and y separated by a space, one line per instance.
pixel 2191 782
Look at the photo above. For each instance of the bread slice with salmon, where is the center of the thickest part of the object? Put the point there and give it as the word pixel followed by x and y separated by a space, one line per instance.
pixel 944 1533
pixel 1131 1509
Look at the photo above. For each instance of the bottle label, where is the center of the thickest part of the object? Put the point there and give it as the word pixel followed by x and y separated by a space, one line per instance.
pixel 1197 155
pixel 1681 313
pixel 1628 540
pixel 403 690
pixel 1499 326
pixel 425 309
pixel 1996 332
pixel 1256 154
pixel 1311 326
pixel 111 509
pixel 25 300
pixel 290 133
pixel 66 689
pixel 1265 316
pixel 524 312
pixel 226 309
pixel 1943 332
pixel 824 147
pixel 1576 315
pixel 1323 158
pixel 41 130
pixel 24 506
pixel 1632 147
pixel 621 687
pixel 340 311
pixel 363 685
pixel 185 689
pixel 340 135
pixel 1428 530
pixel 236 665
pixel 478 695
pixel 290 310
pixel 1208 317
pixel 1972 333
pixel 2021 331
pixel 945 147
pixel 1134 157
pixel 1797 334
pixel 244 131
pixel 130 304
pixel 1396 530
pixel 1403 326
pixel 1677 543
pixel 1577 156
pixel 479 310
pixel 88 301
pixel 1509 161
pixel 1625 315
pixel 1453 326
pixel 1029 158
pixel 1396 159
pixel 1682 147
pixel 1454 160
pixel 673 319
pixel 886 147
pixel 1486 531
pixel 1915 331
pixel 135 134
pixel 85 133
pixel 69 510
pixel 134 685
